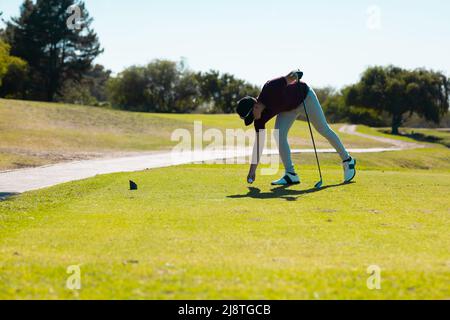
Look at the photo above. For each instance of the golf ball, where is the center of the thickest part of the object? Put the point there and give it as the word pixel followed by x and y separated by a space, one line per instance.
pixel 250 181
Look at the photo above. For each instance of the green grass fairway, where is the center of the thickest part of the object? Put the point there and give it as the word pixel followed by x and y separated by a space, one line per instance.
pixel 49 133
pixel 198 232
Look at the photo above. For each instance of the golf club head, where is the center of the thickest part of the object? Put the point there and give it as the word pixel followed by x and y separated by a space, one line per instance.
pixel 299 75
pixel 319 184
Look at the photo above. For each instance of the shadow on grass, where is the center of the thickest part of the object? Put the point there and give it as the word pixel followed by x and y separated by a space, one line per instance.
pixel 5 195
pixel 420 137
pixel 283 192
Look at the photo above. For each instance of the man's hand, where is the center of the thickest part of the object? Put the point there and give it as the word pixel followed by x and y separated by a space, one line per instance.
pixel 291 77
pixel 252 174
pixel 294 76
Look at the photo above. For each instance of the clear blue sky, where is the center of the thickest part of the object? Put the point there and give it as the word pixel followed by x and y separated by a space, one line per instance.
pixel 332 41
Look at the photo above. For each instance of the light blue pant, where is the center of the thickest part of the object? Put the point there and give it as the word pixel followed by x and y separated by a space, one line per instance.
pixel 285 121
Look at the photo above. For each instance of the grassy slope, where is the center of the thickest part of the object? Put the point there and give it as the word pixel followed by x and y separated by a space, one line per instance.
pixel 205 235
pixel 33 134
pixel 39 133
pixel 436 158
pixel 440 136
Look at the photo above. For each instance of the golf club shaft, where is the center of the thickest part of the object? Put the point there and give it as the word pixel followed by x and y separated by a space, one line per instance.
pixel 313 141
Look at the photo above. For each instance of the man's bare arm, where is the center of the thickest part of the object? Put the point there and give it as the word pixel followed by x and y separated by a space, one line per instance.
pixel 257 154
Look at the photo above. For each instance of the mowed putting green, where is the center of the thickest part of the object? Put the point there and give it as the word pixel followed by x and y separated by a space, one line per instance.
pixel 199 232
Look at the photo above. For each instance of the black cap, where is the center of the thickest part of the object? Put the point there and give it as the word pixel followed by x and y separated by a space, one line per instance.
pixel 245 110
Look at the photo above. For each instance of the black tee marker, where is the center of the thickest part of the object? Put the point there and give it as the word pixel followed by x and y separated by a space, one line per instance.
pixel 133 185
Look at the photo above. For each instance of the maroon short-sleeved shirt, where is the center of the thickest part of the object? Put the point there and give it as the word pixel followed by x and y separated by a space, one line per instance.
pixel 278 96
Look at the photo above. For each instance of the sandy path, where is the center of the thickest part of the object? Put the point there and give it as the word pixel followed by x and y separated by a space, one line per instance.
pixel 22 180
pixel 402 145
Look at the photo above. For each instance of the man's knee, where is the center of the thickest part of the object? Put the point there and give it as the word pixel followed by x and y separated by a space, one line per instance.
pixel 281 135
pixel 325 131
pixel 282 143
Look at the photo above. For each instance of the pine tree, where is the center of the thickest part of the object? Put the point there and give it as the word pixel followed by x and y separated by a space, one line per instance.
pixel 55 53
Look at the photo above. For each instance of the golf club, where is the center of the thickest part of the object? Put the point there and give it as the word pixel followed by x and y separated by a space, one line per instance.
pixel 319 184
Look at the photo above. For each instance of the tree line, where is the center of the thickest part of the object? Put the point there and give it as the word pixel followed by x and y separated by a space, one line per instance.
pixel 168 86
pixel 41 58
pixel 388 96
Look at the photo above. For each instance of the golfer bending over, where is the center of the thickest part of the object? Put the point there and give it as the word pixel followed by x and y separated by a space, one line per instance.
pixel 283 97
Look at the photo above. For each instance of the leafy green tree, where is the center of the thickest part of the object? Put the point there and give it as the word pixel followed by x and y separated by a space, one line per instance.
pixel 90 90
pixel 336 109
pixel 187 93
pixel 76 93
pixel 55 53
pixel 399 92
pixel 14 83
pixel 325 93
pixel 223 90
pixel 1 28
pixel 126 91
pixel 210 90
pixel 167 86
pixel 161 86
pixel 96 79
pixel 165 89
pixel 9 66
pixel 4 60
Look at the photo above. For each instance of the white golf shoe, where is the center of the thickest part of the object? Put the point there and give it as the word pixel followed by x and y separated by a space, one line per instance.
pixel 287 180
pixel 349 169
